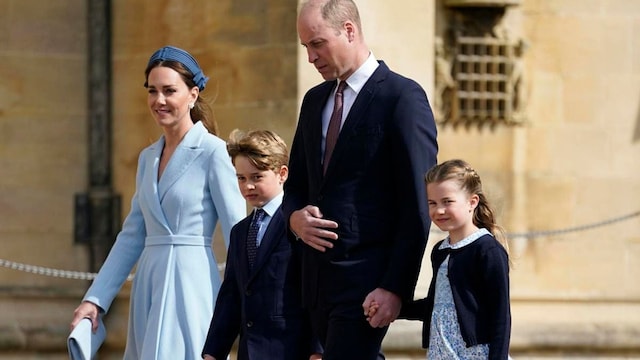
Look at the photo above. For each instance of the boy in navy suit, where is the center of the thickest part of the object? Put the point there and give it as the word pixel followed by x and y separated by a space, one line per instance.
pixel 260 295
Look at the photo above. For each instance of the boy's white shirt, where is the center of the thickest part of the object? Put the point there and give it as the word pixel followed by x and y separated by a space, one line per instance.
pixel 269 208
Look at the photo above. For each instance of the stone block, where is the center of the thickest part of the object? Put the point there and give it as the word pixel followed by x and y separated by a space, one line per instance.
pixel 581 104
pixel 57 32
pixel 550 202
pixel 546 105
pixel 11 337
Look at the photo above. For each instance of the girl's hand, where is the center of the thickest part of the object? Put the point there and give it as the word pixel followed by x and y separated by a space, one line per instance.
pixel 373 308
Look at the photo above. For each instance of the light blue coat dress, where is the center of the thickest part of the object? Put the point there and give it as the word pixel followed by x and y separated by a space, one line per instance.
pixel 168 233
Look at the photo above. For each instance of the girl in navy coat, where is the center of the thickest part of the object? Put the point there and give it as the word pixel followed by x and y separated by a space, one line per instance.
pixel 466 313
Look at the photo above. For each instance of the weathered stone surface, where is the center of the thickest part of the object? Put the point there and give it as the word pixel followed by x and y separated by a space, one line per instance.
pixel 574 164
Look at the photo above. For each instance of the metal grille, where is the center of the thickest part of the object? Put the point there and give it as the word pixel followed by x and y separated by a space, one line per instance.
pixel 483 69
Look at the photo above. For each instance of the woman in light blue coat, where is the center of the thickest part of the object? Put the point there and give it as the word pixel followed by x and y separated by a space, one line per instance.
pixel 185 185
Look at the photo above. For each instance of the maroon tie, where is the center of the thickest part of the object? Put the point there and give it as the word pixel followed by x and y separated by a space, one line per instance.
pixel 334 126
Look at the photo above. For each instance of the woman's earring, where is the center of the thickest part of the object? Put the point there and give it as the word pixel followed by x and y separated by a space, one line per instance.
pixel 190 106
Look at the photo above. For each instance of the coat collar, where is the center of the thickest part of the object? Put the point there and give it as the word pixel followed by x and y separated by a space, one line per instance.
pixel 186 152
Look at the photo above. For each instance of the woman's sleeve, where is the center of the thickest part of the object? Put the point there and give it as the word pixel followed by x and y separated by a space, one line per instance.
pixel 123 255
pixel 228 201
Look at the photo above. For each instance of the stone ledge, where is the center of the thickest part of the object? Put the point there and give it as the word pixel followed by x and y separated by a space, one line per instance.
pixel 36 319
pixel 612 326
pixel 544 326
pixel 37 293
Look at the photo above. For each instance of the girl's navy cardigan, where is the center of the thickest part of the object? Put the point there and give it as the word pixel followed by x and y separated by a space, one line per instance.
pixel 479 278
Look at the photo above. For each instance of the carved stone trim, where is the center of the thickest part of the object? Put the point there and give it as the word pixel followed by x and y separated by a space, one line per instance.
pixel 479 72
pixel 481 3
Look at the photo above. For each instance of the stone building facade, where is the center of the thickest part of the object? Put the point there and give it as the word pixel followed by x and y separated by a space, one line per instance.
pixel 560 157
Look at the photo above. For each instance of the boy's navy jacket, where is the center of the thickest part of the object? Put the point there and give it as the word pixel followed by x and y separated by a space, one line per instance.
pixel 263 305
pixel 479 278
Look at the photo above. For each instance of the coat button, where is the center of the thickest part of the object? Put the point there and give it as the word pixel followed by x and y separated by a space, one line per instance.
pixel 248 292
pixel 249 324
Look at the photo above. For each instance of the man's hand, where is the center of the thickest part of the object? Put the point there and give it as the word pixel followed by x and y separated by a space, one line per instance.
pixel 388 307
pixel 208 357
pixel 308 224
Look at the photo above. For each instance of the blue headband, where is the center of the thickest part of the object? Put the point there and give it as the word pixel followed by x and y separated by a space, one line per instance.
pixel 175 54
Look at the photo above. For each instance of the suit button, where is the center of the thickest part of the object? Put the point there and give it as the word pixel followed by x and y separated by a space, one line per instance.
pixel 248 292
pixel 249 323
pixel 320 197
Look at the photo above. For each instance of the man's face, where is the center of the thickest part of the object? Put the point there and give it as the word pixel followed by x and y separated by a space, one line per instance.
pixel 328 49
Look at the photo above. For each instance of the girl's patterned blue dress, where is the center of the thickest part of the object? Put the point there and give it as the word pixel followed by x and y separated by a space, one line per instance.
pixel 445 340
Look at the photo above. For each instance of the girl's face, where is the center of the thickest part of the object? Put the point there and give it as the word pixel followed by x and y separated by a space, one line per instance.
pixel 451 209
pixel 169 97
pixel 258 186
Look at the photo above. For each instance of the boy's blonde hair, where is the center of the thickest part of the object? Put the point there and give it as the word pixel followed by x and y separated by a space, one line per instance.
pixel 264 149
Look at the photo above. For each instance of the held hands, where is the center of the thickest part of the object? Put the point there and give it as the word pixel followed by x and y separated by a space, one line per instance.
pixel 373 308
pixel 87 310
pixel 312 357
pixel 381 307
pixel 308 224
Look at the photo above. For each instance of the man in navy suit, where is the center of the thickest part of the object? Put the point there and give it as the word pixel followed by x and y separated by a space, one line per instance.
pixel 260 296
pixel 362 214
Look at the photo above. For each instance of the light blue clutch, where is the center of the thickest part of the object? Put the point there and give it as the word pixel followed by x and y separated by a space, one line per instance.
pixel 82 343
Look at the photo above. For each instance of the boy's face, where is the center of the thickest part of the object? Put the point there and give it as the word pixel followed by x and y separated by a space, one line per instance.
pixel 258 187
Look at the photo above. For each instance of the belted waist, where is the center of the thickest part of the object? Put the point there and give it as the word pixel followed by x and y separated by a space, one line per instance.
pixel 177 240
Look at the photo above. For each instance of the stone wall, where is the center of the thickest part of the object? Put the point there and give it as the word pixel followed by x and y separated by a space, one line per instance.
pixel 573 164
pixel 247 48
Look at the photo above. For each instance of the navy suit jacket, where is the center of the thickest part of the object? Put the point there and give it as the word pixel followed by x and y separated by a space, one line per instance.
pixel 373 188
pixel 262 305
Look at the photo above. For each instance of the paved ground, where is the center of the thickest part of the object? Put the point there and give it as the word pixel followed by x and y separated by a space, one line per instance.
pixel 389 357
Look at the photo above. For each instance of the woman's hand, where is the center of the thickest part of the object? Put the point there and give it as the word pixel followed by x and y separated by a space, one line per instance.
pixel 87 310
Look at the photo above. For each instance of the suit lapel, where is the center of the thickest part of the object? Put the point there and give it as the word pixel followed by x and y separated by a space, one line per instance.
pixel 149 189
pixel 187 151
pixel 243 261
pixel 357 114
pixel 269 241
pixel 315 110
